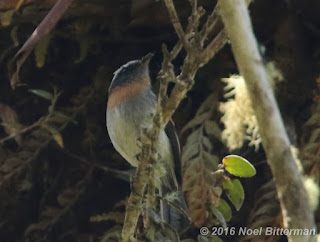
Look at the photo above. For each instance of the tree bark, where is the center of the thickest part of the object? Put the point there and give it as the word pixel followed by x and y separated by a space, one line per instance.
pixel 290 189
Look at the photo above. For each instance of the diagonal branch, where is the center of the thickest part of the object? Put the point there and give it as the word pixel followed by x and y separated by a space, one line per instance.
pixel 43 29
pixel 176 23
pixel 212 20
pixel 288 180
pixel 197 56
pixel 214 46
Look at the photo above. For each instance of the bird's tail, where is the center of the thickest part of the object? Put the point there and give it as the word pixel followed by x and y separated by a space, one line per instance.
pixel 174 210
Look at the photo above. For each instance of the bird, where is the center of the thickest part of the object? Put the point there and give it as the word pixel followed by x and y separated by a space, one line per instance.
pixel 130 108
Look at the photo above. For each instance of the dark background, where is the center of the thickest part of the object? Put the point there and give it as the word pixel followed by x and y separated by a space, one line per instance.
pixel 49 193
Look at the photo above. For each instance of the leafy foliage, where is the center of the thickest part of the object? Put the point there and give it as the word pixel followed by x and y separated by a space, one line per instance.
pixel 199 187
pixel 234 191
pixel 42 93
pixel 238 166
pixel 225 210
pixel 204 187
pixel 10 122
pixel 113 233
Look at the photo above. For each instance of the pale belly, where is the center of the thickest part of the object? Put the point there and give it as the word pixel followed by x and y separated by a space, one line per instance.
pixel 124 136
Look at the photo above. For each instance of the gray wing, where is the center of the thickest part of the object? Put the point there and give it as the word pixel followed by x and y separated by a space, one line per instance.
pixel 171 132
pixel 179 221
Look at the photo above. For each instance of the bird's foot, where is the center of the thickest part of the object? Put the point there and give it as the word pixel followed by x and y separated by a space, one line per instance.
pixel 138 157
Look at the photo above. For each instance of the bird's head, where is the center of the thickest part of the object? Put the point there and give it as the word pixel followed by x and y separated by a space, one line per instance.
pixel 133 71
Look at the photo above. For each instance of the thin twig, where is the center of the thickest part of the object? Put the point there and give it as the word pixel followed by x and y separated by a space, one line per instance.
pixel 214 46
pixel 176 23
pixel 95 164
pixel 22 131
pixel 7 177
pixel 40 122
pixel 212 20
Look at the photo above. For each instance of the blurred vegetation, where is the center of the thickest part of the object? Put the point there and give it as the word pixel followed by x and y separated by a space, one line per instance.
pixel 60 177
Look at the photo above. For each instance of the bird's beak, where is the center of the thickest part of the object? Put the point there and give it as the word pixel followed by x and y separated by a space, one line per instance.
pixel 146 59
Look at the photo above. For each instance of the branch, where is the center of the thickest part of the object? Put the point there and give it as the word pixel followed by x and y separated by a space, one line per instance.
pixel 292 195
pixel 197 56
pixel 209 25
pixel 176 23
pixel 42 30
pixel 214 46
pixel 143 177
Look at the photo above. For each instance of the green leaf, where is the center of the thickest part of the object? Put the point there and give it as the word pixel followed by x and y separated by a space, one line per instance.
pixel 225 209
pixel 234 191
pixel 219 216
pixel 62 115
pixel 41 93
pixel 55 134
pixel 41 49
pixel 238 166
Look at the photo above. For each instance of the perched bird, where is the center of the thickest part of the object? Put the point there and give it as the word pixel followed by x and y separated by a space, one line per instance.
pixel 131 106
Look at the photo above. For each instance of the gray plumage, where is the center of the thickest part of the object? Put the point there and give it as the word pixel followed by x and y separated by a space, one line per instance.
pixel 128 114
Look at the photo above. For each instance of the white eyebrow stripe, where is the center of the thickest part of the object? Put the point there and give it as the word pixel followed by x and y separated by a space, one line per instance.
pixel 125 66
pixel 130 62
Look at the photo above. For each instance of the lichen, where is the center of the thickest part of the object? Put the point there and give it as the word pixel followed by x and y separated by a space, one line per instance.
pixel 238 115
